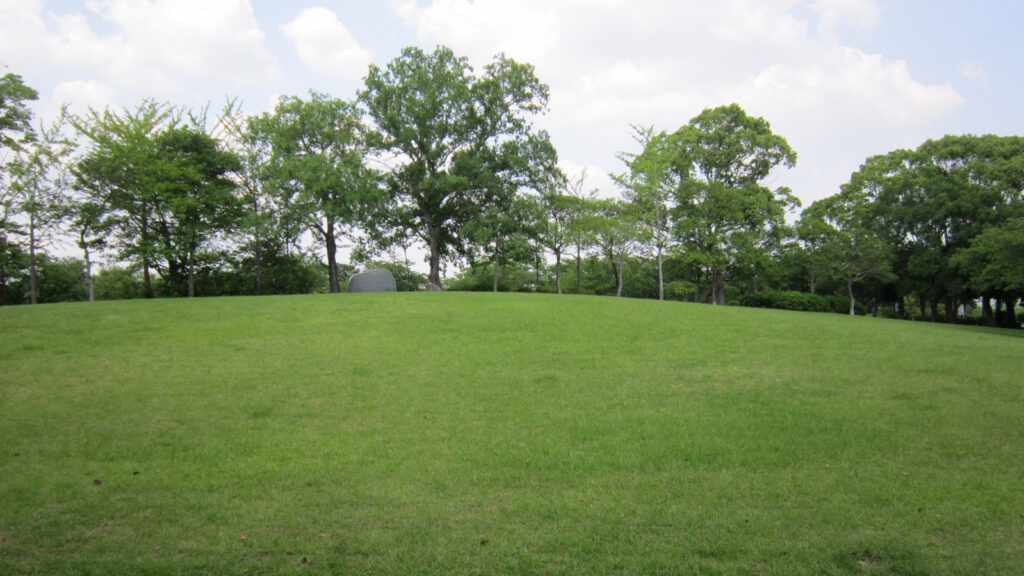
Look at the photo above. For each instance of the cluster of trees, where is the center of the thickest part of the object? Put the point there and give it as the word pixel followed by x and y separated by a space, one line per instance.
pixel 434 154
pixel 940 226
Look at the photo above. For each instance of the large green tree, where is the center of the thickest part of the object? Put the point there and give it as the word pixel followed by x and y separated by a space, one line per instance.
pixel 320 170
pixel 723 209
pixel 461 140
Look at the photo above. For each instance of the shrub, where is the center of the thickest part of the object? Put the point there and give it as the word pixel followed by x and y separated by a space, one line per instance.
pixel 791 300
pixel 681 290
pixel 115 283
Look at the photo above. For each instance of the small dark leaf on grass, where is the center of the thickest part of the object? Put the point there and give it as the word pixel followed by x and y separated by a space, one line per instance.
pixel 484 542
pixel 305 560
pixel 96 482
pixel 17 454
pixel 135 473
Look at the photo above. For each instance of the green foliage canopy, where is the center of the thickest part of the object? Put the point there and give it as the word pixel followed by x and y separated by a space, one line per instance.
pixel 722 208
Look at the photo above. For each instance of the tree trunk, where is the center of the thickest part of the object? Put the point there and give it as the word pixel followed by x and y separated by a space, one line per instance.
pixel 950 310
pixel 288 266
pixel 558 272
pixel 987 316
pixel 259 268
pixel 494 275
pixel 3 278
pixel 812 283
pixel 923 304
pixel 33 288
pixel 579 269
pixel 718 287
pixel 935 309
pixel 618 278
pixel 1010 312
pixel 434 276
pixel 661 276
pixel 88 275
pixel 191 274
pixel 332 256
pixel 147 283
pixel 853 303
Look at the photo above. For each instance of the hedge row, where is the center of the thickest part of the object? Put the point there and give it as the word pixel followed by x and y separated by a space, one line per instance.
pixel 791 300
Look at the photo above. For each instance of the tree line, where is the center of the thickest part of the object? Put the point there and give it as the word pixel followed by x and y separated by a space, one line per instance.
pixel 434 154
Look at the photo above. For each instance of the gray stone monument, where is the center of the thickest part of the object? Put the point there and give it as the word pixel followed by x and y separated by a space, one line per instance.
pixel 376 280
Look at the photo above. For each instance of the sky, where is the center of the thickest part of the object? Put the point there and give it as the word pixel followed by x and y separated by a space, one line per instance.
pixel 841 80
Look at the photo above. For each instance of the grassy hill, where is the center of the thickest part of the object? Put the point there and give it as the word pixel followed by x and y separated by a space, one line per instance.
pixel 503 434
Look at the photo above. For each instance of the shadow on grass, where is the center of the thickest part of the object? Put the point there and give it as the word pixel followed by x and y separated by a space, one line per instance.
pixel 881 560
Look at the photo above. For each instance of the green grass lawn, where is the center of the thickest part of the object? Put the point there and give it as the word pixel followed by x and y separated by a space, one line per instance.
pixel 459 433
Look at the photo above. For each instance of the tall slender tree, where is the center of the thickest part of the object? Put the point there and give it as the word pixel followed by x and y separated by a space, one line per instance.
pixel 650 185
pixel 39 183
pixel 582 220
pixel 554 233
pixel 616 234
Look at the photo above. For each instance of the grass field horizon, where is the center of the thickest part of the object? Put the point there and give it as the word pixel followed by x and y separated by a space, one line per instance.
pixel 466 433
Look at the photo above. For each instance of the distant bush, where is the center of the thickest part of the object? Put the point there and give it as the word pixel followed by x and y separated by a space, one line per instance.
pixel 115 283
pixel 792 300
pixel 681 290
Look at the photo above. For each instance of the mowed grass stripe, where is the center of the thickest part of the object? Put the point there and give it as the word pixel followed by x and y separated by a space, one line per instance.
pixel 483 433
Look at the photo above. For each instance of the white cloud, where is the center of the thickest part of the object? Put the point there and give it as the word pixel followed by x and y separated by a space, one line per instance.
pixel 161 47
pixel 974 71
pixel 858 13
pixel 522 30
pixel 21 24
pixel 80 96
pixel 326 46
pixel 165 41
